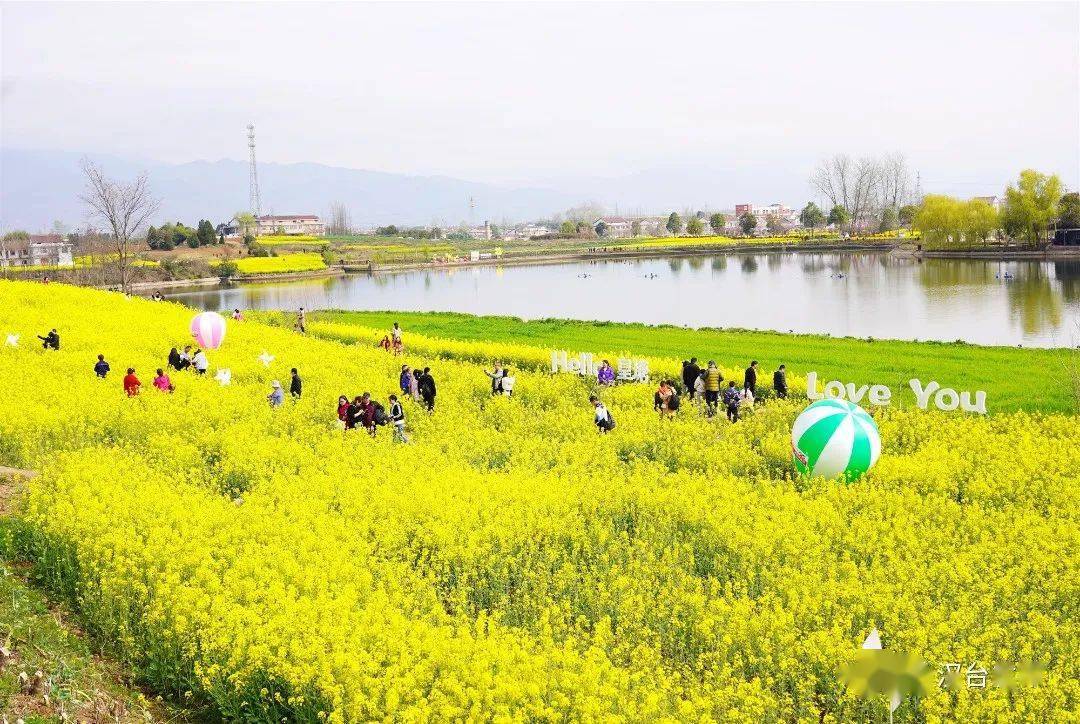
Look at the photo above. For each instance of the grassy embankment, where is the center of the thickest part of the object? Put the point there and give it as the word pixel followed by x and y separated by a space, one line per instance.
pixel 1014 379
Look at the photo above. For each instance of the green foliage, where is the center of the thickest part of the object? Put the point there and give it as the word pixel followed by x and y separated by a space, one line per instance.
pixel 888 219
pixel 390 230
pixel 906 214
pixel 839 216
pixel 947 220
pixel 227 269
pixel 695 226
pixel 17 235
pixel 1031 205
pixel 747 222
pixel 205 233
pixel 674 224
pixel 774 224
pixel 635 228
pixel 811 217
pixel 256 249
pixel 1069 211
pixel 716 223
pixel 568 228
pixel 601 228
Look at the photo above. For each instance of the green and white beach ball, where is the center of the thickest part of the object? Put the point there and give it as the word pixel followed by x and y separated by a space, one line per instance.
pixel 835 438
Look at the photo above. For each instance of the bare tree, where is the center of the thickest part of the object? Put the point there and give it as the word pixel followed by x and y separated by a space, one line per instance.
pixel 125 208
pixel 895 182
pixel 851 184
pixel 339 219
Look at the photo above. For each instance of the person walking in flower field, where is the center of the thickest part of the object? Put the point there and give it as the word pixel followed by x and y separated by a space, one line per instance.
pixel 199 362
pixel 713 378
pixel 296 385
pixel 131 383
pixel 496 376
pixel 397 417
pixel 666 400
pixel 427 389
pixel 301 321
pixel 605 376
pixel 185 358
pixel 732 399
pixel 174 359
pixel 277 395
pixel 101 367
pixel 395 339
pixel 162 381
pixel 750 380
pixel 367 413
pixel 602 418
pixel 690 372
pixel 414 385
pixel 779 382
pixel 405 380
pixel 50 340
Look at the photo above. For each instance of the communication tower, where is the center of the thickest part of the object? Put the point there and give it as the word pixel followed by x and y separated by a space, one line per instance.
pixel 253 175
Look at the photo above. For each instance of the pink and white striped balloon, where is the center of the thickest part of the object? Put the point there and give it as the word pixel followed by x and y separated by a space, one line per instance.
pixel 208 329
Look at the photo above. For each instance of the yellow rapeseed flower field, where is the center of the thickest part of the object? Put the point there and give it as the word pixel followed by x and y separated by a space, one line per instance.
pixel 279 264
pixel 510 563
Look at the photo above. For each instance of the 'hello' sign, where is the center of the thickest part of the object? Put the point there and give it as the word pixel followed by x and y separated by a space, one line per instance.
pixel 585 364
pixel 945 398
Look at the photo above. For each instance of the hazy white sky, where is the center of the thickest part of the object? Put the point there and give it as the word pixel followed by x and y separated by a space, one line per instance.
pixel 971 92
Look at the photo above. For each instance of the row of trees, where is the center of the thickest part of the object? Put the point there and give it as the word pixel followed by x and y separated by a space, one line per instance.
pixel 169 236
pixel 871 190
pixel 1033 206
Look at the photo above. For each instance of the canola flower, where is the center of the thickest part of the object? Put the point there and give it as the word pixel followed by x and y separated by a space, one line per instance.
pixel 278 264
pixel 510 563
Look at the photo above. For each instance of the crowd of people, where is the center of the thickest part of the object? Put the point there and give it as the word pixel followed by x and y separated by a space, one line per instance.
pixel 703 386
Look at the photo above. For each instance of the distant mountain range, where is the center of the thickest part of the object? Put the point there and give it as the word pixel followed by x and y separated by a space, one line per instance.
pixel 38 187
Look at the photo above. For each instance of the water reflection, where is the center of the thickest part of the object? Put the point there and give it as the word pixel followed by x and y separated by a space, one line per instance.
pixel 1067 273
pixel 868 294
pixel 1034 301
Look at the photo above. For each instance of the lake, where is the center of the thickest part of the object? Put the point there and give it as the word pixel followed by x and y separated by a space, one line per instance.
pixel 861 294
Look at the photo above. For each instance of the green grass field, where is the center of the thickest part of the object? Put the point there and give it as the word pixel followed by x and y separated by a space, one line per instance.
pixel 1013 378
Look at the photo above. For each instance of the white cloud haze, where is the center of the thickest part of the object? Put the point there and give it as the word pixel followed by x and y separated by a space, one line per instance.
pixel 554 93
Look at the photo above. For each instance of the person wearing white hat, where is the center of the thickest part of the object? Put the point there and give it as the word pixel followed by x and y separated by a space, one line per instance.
pixel 277 395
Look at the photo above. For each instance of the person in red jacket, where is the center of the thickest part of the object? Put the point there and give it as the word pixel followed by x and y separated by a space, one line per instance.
pixel 131 383
pixel 367 407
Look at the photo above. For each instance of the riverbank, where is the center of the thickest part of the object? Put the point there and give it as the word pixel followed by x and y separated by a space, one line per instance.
pixel 617 253
pixel 1034 380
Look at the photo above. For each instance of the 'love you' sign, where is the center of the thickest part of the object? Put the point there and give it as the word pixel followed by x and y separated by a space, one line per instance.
pixel 944 398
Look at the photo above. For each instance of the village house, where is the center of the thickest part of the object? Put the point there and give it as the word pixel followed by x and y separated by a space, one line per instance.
pixel 528 231
pixel 615 227
pixel 292 224
pixel 38 250
pixel 786 216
